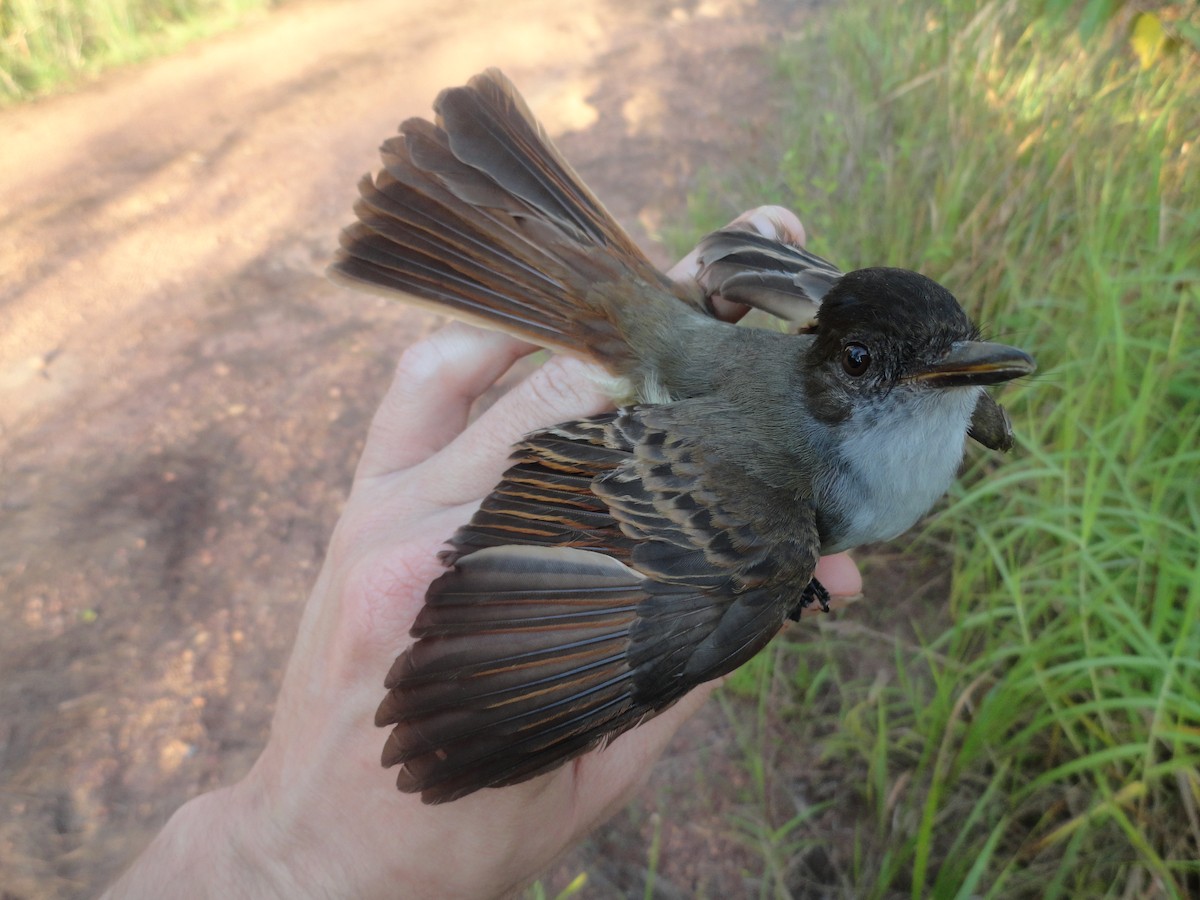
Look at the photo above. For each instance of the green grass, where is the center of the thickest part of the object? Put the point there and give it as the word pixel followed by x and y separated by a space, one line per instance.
pixel 51 44
pixel 1037 732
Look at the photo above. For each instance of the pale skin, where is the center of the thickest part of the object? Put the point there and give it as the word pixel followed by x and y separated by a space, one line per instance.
pixel 317 815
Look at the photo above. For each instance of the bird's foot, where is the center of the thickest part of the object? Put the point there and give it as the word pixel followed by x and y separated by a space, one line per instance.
pixel 815 592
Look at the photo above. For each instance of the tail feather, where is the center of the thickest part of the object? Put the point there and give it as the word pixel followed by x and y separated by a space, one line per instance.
pixel 491 128
pixel 479 216
pixel 407 213
pixel 420 160
pixel 413 236
pixel 428 148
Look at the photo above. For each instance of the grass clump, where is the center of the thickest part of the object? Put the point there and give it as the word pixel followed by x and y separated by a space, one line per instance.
pixel 46 45
pixel 1041 736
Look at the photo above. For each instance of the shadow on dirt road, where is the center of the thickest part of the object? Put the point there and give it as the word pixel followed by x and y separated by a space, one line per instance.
pixel 182 396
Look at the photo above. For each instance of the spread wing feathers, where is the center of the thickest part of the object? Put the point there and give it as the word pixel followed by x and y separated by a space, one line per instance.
pixel 520 663
pixel 480 217
pixel 546 496
pixel 562 623
pixel 692 531
pixel 781 279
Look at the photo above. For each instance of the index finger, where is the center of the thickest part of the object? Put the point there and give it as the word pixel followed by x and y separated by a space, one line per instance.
pixel 436 382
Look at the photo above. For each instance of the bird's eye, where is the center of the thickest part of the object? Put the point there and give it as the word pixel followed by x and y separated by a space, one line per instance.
pixel 856 359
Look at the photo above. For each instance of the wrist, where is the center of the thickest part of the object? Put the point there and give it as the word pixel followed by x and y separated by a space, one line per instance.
pixel 207 849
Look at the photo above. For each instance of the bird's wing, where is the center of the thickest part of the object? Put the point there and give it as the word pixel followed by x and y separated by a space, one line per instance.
pixel 779 278
pixel 615 567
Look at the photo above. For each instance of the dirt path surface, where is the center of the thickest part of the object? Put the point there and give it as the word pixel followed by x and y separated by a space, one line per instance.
pixel 183 397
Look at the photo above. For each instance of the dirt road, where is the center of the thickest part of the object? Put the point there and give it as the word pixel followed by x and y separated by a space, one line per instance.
pixel 182 397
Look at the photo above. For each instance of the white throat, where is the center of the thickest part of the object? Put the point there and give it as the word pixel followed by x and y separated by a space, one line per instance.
pixel 899 458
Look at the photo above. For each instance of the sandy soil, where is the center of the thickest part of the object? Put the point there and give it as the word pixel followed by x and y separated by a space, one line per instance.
pixel 183 397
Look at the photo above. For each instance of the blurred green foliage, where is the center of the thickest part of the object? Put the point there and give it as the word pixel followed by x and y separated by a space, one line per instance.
pixel 49 44
pixel 1039 735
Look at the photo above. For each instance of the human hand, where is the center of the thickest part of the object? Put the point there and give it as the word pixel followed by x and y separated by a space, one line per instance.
pixel 317 814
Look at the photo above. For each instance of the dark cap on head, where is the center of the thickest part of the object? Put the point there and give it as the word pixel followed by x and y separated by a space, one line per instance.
pixel 903 316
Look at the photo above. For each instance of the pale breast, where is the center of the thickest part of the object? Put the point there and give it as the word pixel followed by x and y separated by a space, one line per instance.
pixel 899 458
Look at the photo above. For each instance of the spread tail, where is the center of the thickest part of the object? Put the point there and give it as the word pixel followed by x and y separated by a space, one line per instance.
pixel 479 217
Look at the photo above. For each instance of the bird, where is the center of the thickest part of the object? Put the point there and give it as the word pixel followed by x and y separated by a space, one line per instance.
pixel 625 558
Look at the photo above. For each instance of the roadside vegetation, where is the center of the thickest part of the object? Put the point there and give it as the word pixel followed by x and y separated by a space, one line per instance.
pixel 51 44
pixel 1029 724
pixel 1014 710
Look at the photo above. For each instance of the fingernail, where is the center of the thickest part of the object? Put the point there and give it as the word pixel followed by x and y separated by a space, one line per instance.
pixel 774 222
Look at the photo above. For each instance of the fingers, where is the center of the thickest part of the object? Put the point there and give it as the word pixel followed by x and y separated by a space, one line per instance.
pixel 436 381
pixel 562 390
pixel 775 222
pixel 840 575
